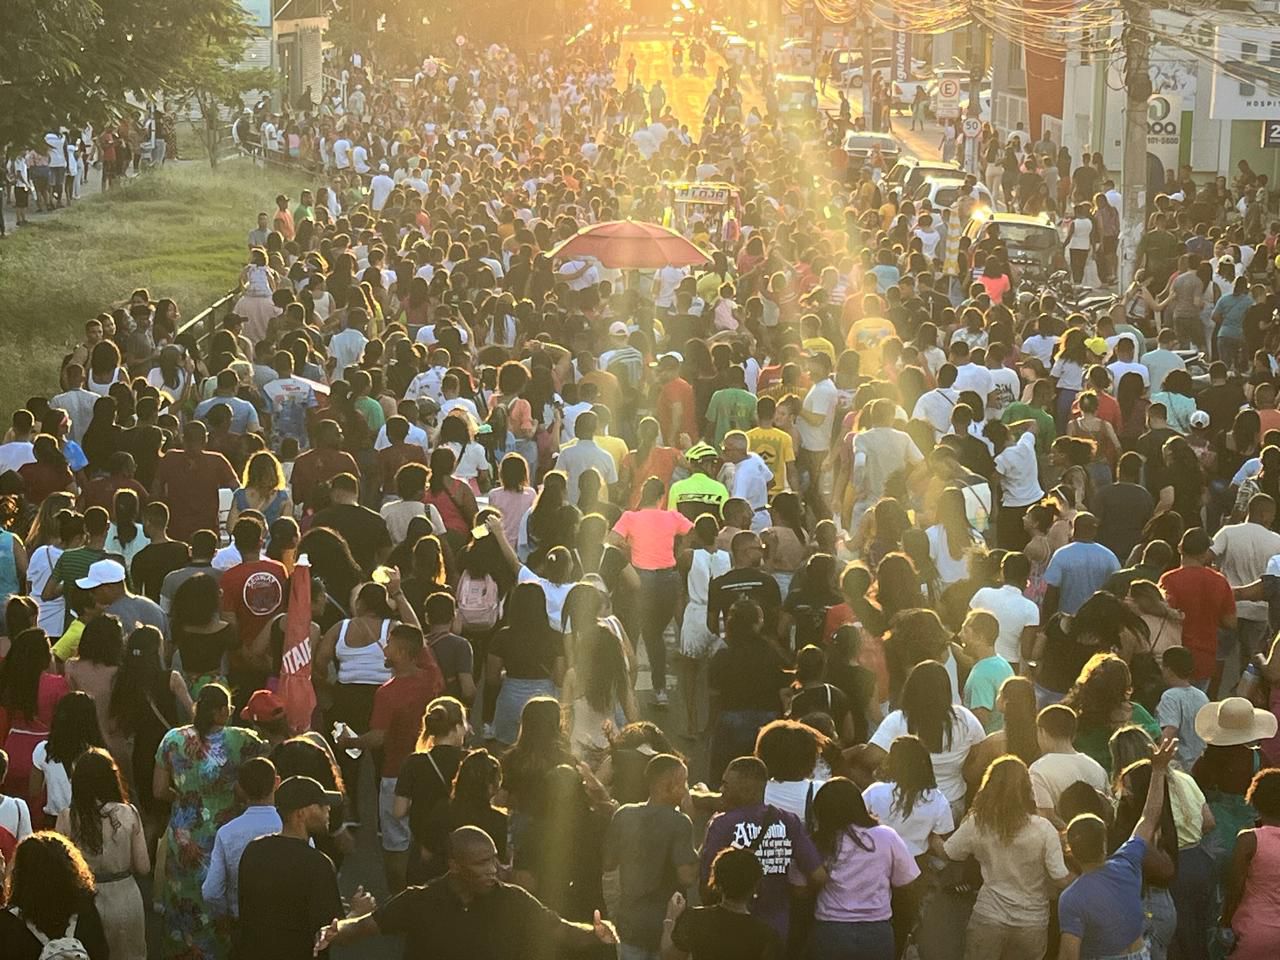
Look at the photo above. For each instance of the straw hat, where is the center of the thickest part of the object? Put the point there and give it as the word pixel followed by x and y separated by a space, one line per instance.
pixel 1233 721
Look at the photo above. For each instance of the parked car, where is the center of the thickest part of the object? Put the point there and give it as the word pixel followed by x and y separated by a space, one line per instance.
pixel 797 99
pixel 942 192
pixel 860 145
pixel 1034 244
pixel 909 172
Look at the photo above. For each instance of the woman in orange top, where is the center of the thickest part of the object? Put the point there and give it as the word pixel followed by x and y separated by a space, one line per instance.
pixel 648 459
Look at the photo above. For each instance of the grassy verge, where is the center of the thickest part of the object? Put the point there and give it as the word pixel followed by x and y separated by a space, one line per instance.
pixel 179 232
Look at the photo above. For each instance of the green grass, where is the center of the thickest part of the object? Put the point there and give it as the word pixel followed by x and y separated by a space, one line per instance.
pixel 179 232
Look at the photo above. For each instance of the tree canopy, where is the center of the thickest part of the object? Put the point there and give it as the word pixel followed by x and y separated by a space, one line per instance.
pixel 67 61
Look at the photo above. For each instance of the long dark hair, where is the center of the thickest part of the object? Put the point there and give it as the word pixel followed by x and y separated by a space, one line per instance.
pixel 303 757
pixel 74 729
pixel 126 509
pixel 787 506
pixel 926 705
pixel 1019 698
pixel 29 657
pixel 95 782
pixel 212 699
pixel 1103 685
pixel 141 684
pixel 910 768
pixel 838 810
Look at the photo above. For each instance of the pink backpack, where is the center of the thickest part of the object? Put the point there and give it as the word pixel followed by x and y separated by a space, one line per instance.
pixel 477 602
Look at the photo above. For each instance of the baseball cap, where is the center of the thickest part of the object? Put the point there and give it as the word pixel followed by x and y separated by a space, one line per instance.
pixel 673 354
pixel 1097 345
pixel 298 792
pixel 1199 419
pixel 101 573
pixel 263 705
pixel 618 329
pixel 700 451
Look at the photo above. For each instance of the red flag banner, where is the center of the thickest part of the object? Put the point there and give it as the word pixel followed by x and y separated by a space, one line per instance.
pixel 295 664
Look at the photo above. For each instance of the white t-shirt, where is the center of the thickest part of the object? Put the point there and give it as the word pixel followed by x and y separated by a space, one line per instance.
pixel 57 783
pixel 668 278
pixel 380 188
pixel 1119 368
pixel 1019 472
pixel 751 480
pixel 15 454
pixel 1006 388
pixel 360 158
pixel 342 153
pixel 931 814
pixel 950 569
pixel 948 766
pixel 821 399
pixel 1041 348
pixel 1054 772
pixel 1013 611
pixel 792 795
pixel 970 376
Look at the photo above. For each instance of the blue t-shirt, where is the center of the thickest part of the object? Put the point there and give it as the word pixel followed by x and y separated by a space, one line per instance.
pixel 1232 309
pixel 1104 907
pixel 1078 570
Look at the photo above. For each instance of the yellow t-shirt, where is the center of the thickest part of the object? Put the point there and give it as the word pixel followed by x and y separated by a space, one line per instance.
pixel 821 344
pixel 776 450
pixel 69 643
pixel 867 336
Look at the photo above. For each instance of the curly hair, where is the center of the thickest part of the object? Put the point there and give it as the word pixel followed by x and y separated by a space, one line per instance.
pixel 1004 803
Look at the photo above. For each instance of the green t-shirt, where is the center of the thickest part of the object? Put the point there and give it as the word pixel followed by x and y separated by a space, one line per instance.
pixel 731 409
pixel 982 686
pixel 697 494
pixel 372 412
pixel 1046 429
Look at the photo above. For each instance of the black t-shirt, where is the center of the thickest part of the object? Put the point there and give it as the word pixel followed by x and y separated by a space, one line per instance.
pixel 506 922
pixel 858 684
pixel 747 677
pixel 288 892
pixel 448 817
pixel 1221 401
pixel 808 608
pixel 363 529
pixel 750 582
pixel 528 654
pixel 714 933
pixel 156 561
pixel 203 652
pixel 1063 658
pixel 825 698
pixel 1151 445
pixel 455 656
pixel 425 783
pixel 18 943
pixel 1123 509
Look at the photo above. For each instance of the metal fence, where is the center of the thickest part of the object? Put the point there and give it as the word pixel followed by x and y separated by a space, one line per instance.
pixel 204 323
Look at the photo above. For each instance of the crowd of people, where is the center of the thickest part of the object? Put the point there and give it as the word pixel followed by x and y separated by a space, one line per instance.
pixel 964 644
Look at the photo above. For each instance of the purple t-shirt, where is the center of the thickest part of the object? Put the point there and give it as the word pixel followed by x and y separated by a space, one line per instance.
pixel 785 849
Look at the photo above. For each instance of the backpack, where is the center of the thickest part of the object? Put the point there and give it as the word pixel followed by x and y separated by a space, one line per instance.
pixel 477 601
pixel 66 947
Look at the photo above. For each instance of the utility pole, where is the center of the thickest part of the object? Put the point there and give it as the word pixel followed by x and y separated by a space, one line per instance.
pixel 868 108
pixel 1135 40
pixel 977 66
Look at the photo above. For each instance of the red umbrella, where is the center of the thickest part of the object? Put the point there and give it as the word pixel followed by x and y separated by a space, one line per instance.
pixel 630 244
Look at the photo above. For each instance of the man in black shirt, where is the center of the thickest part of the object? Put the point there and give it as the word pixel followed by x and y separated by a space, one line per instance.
pixel 161 556
pixel 746 579
pixel 469 914
pixel 289 889
pixel 364 530
pixel 1151 446
pixel 1223 397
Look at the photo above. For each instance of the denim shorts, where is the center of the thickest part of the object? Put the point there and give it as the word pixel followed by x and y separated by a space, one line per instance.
pixel 395 830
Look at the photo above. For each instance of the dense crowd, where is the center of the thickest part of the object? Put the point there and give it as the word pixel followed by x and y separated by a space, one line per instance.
pixel 956 606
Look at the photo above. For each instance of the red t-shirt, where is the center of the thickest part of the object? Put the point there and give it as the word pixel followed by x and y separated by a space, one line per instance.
pixel 678 391
pixel 190 481
pixel 398 706
pixel 318 465
pixel 254 592
pixel 1204 597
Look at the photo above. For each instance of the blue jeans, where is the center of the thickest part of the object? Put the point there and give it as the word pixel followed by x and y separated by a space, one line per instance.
pixel 658 589
pixel 1230 351
pixel 830 940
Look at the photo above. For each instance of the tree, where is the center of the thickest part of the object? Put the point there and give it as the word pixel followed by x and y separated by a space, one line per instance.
pixel 68 61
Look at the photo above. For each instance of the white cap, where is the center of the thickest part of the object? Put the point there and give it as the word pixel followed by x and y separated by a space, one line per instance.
pixel 618 329
pixel 101 573
pixel 1199 419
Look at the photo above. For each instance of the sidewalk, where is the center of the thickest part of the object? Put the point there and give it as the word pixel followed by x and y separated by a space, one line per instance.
pixel 90 189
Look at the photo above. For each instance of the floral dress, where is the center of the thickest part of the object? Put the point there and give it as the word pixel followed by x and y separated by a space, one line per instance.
pixel 203 774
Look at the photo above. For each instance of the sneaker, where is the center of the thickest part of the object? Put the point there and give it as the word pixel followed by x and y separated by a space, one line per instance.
pixel 660 698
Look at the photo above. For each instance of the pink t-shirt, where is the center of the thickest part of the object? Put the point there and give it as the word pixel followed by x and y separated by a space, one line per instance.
pixel 651 534
pixel 514 505
pixel 861 881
